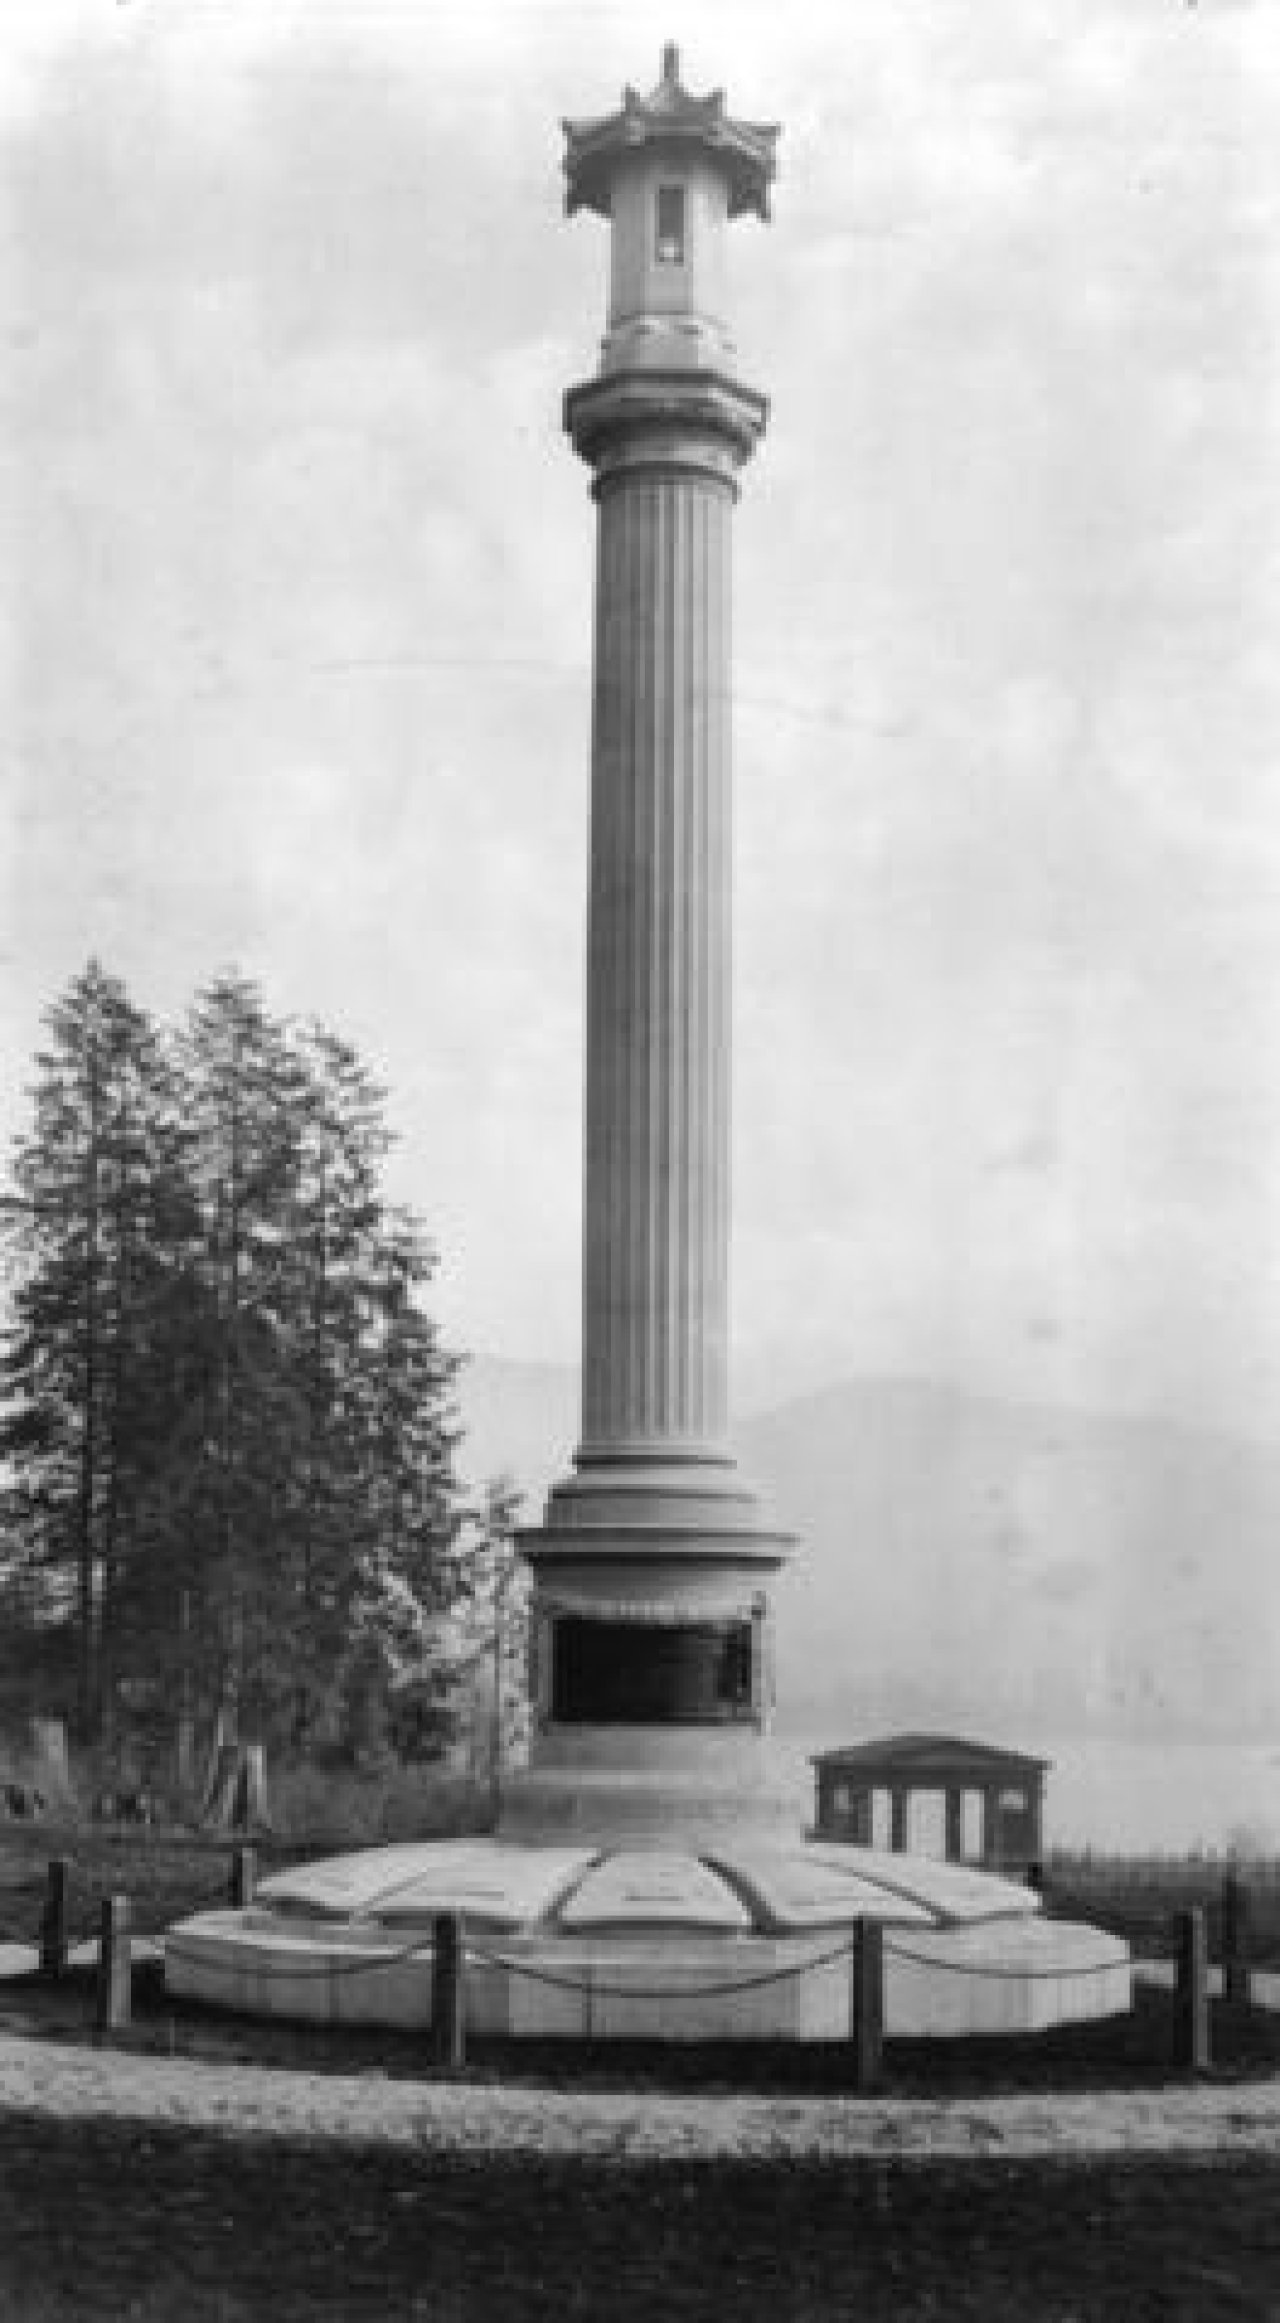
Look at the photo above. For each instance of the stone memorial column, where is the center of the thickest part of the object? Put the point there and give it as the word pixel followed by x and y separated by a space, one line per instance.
pixel 652 1563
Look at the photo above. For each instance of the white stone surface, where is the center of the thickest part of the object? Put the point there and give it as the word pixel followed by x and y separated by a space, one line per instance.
pixel 24 1959
pixel 262 1965
pixel 657 1944
pixel 500 1885
pixel 1003 1976
pixel 952 1891
pixel 142 1950
pixel 1264 1984
pixel 351 1883
pixel 644 1887
pixel 791 1890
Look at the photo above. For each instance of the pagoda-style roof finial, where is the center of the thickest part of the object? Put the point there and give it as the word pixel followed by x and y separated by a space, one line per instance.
pixel 669 118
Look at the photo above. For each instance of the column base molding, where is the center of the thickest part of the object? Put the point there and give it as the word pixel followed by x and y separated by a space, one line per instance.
pixel 651 1503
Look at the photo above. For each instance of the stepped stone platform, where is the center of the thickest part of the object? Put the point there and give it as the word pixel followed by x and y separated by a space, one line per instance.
pixel 748 1942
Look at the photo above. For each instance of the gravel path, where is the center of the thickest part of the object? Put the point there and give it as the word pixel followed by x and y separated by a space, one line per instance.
pixel 38 2077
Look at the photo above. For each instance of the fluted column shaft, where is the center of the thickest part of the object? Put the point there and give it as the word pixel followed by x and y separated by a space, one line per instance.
pixel 656 1228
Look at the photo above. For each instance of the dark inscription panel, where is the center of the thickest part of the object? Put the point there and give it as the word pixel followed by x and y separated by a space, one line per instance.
pixel 627 1673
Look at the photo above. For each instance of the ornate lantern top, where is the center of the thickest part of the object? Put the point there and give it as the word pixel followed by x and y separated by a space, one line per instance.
pixel 670 120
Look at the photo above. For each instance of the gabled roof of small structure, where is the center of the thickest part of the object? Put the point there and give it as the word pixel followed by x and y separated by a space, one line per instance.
pixel 669 117
pixel 918 1754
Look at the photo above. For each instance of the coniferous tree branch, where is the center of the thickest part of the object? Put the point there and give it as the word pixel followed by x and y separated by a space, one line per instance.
pixel 227 1422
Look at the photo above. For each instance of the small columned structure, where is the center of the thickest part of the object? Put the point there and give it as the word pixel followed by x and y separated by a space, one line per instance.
pixel 652 1624
pixel 1005 1787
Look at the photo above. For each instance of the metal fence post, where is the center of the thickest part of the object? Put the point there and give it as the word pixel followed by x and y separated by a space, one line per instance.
pixel 449 1993
pixel 53 1919
pixel 244 1876
pixel 115 1967
pixel 866 2027
pixel 1191 1994
pixel 1235 1937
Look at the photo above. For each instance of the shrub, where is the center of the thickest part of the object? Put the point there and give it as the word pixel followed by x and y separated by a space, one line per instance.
pixel 335 1807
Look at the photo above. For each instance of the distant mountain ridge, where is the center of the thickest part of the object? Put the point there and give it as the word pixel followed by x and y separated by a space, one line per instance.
pixel 1021 1570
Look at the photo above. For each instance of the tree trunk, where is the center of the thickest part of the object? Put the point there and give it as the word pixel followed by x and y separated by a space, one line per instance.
pixel 184 1768
pixel 117 1450
pixel 238 1793
pixel 85 1674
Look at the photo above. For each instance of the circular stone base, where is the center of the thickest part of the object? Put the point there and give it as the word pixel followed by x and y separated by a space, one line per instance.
pixel 744 1940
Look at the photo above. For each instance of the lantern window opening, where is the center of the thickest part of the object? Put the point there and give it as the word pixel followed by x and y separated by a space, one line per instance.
pixel 669 238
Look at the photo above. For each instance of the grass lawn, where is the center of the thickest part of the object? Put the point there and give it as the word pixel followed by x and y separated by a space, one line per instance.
pixel 99 2219
pixel 164 1873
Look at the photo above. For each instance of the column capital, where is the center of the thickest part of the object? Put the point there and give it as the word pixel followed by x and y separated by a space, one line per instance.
pixel 682 422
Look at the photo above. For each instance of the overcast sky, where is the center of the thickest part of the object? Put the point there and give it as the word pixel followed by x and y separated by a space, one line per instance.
pixel 298 600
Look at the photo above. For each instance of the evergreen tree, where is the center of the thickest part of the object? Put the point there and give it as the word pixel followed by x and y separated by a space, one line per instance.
pixel 338 1217
pixel 411 1548
pixel 496 1591
pixel 228 1421
pixel 243 1092
pixel 99 1239
pixel 331 1436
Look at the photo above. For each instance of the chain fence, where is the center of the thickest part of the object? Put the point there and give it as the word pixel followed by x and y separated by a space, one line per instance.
pixel 562 1980
pixel 722 1989
pixel 261 1969
pixel 592 1987
pixel 334 1971
pixel 1003 1975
